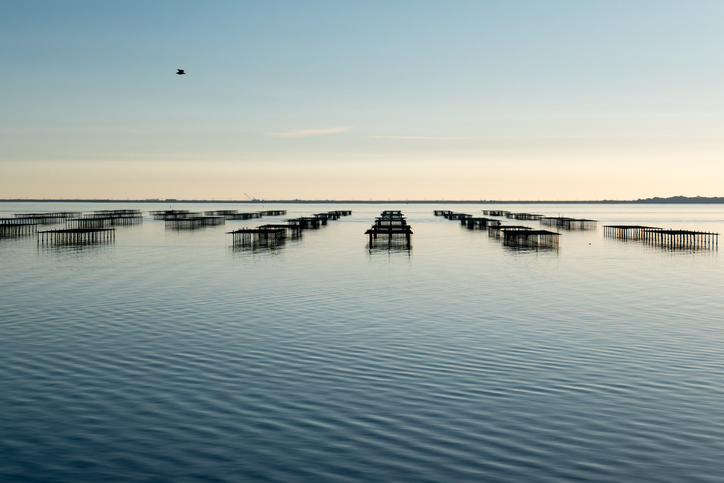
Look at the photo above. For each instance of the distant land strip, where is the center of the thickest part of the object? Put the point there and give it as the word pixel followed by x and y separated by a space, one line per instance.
pixel 655 200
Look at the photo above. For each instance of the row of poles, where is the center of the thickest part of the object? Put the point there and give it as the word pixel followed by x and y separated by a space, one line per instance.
pixel 513 236
pixel 671 239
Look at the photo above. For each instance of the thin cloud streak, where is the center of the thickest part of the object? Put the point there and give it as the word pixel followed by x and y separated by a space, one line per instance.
pixel 613 136
pixel 303 133
pixel 429 138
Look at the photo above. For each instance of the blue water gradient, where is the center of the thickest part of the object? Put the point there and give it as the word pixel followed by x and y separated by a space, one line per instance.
pixel 169 356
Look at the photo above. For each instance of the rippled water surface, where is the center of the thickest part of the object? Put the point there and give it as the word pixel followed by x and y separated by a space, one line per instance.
pixel 168 355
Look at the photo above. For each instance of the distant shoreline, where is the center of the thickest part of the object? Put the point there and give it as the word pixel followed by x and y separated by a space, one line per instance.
pixel 671 200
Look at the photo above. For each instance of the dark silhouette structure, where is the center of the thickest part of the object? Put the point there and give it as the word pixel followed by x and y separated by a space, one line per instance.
pixel 271 236
pixel 391 227
pixel 193 222
pixel 523 216
pixel 166 215
pixel 468 220
pixel 106 219
pixel 235 215
pixel 259 237
pixel 76 236
pixel 479 222
pixel 672 239
pixel 530 238
pixel 497 231
pixel 180 72
pixel 50 218
pixel 17 227
pixel 569 223
pixel 318 219
pixel 293 230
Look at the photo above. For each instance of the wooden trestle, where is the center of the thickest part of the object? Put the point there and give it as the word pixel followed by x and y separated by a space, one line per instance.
pixel 118 213
pixel 391 226
pixel 479 222
pixel 523 216
pixel 114 217
pixel 272 235
pixel 235 215
pixel 306 222
pixel 496 231
pixel 77 236
pixel 457 216
pixel 569 223
pixel 273 212
pixel 221 213
pixel 173 214
pixel 294 230
pixel 194 222
pixel 530 238
pixel 49 218
pixel 495 212
pixel 626 232
pixel 244 216
pixel 15 227
pixel 261 236
pixel 673 239
pixel 88 223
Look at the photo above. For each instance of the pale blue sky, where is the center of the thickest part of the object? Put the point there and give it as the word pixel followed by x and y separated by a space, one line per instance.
pixel 467 100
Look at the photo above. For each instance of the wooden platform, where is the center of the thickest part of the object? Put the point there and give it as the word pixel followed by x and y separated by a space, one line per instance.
pixel 457 216
pixel 391 229
pixel 118 219
pixel 626 232
pixel 76 236
pixel 530 238
pixel 569 223
pixel 664 238
pixel 479 222
pixel 262 236
pixel 166 215
pixel 99 222
pixel 243 216
pixel 194 222
pixel 17 227
pixel 49 218
pixel 495 212
pixel 221 212
pixel 523 216
pixel 496 231
pixel 305 222
pixel 117 213
pixel 294 230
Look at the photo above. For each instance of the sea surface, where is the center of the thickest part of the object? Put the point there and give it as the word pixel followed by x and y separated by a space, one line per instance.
pixel 168 355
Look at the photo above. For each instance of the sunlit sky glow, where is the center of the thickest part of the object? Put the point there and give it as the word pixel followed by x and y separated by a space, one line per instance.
pixel 362 100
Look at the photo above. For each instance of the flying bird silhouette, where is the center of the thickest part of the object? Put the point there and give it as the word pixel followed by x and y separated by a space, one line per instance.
pixel 180 72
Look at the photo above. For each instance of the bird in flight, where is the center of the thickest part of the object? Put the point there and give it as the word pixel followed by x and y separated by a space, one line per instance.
pixel 180 72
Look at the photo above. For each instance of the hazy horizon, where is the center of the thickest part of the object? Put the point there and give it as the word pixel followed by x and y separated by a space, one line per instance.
pixel 653 200
pixel 401 100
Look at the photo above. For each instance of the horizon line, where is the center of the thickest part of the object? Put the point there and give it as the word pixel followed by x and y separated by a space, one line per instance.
pixel 655 200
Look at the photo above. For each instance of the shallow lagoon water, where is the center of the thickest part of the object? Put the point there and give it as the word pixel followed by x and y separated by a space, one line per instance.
pixel 170 356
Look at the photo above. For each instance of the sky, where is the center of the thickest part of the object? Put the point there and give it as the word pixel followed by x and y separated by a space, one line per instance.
pixel 454 100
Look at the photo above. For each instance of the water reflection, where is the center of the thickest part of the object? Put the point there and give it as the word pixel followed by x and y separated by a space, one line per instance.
pixel 524 249
pixel 389 248
pixel 271 248
pixel 75 251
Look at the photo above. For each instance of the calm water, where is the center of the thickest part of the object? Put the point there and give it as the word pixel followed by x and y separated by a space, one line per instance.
pixel 168 356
